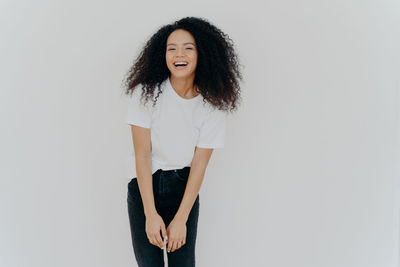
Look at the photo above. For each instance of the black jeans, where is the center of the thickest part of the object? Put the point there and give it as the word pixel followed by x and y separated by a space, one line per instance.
pixel 168 189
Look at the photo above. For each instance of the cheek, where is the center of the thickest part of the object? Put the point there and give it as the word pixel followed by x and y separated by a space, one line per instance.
pixel 192 56
pixel 195 59
pixel 168 58
pixel 170 64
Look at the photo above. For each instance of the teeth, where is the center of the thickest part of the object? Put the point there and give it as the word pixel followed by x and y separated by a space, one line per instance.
pixel 180 63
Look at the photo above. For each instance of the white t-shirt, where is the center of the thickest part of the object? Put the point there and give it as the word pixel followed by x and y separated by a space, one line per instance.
pixel 177 125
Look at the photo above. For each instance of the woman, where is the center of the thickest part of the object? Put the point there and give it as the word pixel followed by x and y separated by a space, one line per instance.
pixel 190 72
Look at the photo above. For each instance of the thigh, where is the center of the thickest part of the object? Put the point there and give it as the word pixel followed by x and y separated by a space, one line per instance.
pixel 185 256
pixel 146 254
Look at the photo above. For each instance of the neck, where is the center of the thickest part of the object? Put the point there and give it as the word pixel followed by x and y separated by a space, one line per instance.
pixel 184 86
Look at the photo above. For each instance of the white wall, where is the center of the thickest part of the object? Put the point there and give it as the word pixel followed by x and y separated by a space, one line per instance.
pixel 310 173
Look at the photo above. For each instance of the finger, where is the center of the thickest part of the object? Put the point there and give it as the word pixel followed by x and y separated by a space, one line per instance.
pixel 175 246
pixel 154 240
pixel 178 245
pixel 159 240
pixel 170 243
pixel 167 237
pixel 151 241
pixel 164 231
pixel 181 243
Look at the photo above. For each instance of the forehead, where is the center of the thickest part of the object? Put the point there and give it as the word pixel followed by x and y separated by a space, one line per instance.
pixel 180 37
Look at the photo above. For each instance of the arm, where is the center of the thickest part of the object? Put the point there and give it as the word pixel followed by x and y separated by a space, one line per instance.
pixel 142 145
pixel 198 167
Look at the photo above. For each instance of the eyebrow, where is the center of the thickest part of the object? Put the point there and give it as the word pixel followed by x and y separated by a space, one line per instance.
pixel 183 44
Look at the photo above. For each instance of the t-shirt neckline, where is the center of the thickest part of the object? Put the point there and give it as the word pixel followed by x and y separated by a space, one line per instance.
pixel 177 96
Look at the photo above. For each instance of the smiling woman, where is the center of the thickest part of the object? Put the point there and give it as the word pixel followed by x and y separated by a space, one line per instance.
pixel 193 81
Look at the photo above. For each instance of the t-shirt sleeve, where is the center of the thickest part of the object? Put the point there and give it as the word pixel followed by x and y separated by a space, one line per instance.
pixel 212 131
pixel 138 113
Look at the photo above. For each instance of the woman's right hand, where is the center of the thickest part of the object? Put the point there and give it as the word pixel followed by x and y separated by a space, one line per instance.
pixel 155 223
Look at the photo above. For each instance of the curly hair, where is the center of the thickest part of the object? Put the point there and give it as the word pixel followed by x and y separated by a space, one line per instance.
pixel 217 72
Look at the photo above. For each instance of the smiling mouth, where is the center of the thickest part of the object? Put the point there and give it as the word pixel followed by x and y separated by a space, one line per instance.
pixel 180 64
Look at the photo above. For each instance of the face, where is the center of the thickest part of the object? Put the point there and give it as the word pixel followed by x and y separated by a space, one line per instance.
pixel 181 47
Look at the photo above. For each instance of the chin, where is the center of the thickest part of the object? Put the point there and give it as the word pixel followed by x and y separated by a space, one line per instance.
pixel 180 74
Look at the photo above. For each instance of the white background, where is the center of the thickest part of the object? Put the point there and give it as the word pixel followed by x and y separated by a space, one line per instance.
pixel 309 176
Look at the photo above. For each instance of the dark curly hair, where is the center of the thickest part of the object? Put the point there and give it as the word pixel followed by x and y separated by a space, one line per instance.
pixel 217 71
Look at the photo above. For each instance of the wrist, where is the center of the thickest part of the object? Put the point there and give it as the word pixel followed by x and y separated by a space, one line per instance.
pixel 180 216
pixel 150 213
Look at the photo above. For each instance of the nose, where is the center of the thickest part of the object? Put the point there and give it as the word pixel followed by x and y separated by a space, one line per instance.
pixel 179 51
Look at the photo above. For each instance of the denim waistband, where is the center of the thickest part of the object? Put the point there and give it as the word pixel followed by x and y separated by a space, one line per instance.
pixel 183 171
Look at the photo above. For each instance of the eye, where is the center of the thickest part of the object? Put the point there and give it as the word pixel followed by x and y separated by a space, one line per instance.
pixel 171 49
pixel 189 48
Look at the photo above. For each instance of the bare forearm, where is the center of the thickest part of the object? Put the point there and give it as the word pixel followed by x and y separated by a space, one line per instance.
pixel 193 185
pixel 145 182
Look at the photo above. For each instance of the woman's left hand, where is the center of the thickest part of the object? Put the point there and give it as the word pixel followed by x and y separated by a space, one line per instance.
pixel 176 232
